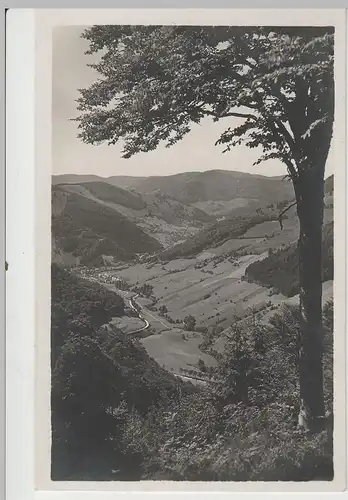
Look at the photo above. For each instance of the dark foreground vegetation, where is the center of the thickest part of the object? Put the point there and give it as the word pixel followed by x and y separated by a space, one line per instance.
pixel 117 415
pixel 280 269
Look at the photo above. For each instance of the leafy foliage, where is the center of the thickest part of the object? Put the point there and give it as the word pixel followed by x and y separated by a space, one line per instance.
pixel 163 310
pixel 189 322
pixel 145 289
pixel 278 81
pixel 117 415
pixel 78 306
pixel 95 370
pixel 211 436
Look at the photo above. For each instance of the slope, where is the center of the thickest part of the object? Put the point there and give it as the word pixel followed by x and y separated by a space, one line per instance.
pixel 98 375
pixel 215 234
pixel 89 230
pixel 280 269
pixel 157 214
pixel 195 187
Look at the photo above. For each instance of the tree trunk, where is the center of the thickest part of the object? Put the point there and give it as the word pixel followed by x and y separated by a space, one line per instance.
pixel 310 208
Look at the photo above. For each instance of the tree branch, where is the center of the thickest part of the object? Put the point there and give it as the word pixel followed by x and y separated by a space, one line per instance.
pixel 226 115
pixel 241 115
pixel 280 216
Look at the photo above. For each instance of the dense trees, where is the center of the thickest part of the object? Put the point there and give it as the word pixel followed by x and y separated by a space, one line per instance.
pixel 99 377
pixel 243 427
pixel 146 290
pixel 280 269
pixel 116 414
pixel 189 322
pixel 215 234
pixel 163 310
pixel 89 230
pixel 78 306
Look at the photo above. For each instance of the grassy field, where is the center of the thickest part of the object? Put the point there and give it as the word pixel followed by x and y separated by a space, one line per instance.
pixel 210 288
pixel 128 324
pixel 176 350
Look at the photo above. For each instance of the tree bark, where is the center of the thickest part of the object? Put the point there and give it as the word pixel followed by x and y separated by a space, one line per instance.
pixel 310 208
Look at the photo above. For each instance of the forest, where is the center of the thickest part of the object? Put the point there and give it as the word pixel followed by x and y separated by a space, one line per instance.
pixel 117 415
pixel 215 234
pixel 280 269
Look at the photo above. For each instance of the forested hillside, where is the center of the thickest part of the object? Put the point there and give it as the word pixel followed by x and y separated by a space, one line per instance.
pixel 99 377
pixel 215 234
pixel 193 187
pixel 280 269
pixel 87 229
pixel 117 415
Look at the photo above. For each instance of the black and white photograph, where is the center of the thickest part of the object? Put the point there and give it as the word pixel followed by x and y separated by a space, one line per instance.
pixel 192 258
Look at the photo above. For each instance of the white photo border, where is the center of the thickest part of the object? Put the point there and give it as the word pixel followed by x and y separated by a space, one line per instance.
pixel 28 123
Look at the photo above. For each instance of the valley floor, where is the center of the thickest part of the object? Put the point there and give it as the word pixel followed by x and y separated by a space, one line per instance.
pixel 210 290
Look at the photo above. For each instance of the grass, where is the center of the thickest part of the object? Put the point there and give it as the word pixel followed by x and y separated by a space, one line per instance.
pixel 173 351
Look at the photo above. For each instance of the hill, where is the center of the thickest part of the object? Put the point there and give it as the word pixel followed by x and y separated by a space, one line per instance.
pixel 158 215
pixel 117 415
pixel 98 376
pixel 194 187
pixel 76 178
pixel 86 229
pixel 228 227
pixel 107 192
pixel 280 269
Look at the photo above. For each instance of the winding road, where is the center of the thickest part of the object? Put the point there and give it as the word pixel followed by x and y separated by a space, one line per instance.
pixel 137 308
pixel 141 313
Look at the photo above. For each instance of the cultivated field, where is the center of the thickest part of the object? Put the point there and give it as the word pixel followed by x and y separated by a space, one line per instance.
pixel 211 289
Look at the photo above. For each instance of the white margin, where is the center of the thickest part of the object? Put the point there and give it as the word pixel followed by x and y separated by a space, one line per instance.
pixel 20 338
pixel 21 300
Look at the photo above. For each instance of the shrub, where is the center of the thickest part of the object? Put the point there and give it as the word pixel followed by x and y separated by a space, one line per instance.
pixel 189 322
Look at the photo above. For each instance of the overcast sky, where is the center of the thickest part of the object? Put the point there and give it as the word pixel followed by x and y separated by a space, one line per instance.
pixel 196 152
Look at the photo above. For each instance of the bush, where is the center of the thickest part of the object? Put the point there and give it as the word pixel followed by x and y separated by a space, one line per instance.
pixel 113 407
pixel 190 323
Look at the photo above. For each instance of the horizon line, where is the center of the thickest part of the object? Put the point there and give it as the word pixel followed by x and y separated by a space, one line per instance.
pixel 285 176
pixel 170 175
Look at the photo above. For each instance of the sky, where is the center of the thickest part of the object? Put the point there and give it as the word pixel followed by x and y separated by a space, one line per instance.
pixel 196 152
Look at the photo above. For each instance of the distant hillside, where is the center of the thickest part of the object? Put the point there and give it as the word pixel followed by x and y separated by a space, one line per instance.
pixel 158 215
pixel 154 204
pixel 194 187
pixel 280 268
pixel 87 229
pixel 76 178
pixel 108 192
pixel 215 234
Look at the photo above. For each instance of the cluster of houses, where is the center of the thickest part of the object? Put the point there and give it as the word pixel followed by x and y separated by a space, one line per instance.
pixel 98 276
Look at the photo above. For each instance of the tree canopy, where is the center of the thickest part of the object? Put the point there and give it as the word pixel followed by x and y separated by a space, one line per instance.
pixel 156 81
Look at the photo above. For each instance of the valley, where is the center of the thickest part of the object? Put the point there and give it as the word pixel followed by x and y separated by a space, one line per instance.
pixel 163 283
